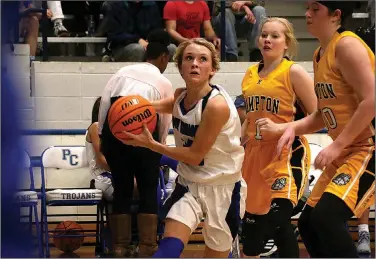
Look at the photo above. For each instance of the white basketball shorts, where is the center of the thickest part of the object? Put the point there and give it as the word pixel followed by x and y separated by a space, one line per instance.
pixel 221 206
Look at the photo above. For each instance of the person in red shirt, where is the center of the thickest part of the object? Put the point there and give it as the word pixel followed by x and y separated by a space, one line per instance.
pixel 184 20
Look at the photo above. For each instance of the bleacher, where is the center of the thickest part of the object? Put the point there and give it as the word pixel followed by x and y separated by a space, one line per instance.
pixel 73 48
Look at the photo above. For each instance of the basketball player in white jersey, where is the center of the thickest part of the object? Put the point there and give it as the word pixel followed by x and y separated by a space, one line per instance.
pixel 97 162
pixel 207 136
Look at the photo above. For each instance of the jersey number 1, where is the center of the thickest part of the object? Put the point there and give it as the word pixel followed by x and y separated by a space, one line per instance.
pixel 258 135
pixel 329 118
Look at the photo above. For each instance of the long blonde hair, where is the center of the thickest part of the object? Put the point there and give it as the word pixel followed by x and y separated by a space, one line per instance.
pixel 292 43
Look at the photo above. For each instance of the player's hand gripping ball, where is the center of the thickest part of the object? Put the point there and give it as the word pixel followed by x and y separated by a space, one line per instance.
pixel 128 114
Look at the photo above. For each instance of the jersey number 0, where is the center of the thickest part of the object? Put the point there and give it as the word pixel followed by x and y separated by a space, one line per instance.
pixel 329 118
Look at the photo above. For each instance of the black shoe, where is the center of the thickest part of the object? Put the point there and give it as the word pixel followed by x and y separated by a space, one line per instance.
pixel 269 248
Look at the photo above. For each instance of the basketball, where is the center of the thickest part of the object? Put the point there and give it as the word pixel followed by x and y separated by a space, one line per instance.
pixel 69 243
pixel 128 114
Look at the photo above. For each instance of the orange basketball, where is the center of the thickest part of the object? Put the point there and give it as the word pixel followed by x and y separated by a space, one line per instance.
pixel 128 114
pixel 73 239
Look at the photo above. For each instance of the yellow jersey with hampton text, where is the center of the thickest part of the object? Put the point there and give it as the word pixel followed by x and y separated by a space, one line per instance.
pixel 336 98
pixel 270 97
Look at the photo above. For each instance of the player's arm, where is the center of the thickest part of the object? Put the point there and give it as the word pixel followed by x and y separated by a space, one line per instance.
pixel 310 124
pixel 166 105
pixel 214 118
pixel 303 86
pixel 353 62
pixel 94 137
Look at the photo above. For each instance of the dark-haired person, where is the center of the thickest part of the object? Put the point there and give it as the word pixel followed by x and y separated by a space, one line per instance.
pixel 128 24
pixel 345 87
pixel 98 166
pixel 127 162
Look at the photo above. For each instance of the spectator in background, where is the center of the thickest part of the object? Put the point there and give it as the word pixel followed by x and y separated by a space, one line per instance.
pixel 184 20
pixel 81 12
pixel 57 18
pixel 253 13
pixel 128 25
pixel 55 13
pixel 29 26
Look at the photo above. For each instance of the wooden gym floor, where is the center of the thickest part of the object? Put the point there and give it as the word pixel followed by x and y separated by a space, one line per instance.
pixel 196 248
pixel 191 251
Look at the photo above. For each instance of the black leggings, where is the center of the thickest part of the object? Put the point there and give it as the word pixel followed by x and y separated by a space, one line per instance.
pixel 323 229
pixel 277 223
pixel 126 163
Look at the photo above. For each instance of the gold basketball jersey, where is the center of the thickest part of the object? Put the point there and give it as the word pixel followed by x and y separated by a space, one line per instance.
pixel 270 97
pixel 336 98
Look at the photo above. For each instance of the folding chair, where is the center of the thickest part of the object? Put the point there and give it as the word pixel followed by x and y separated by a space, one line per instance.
pixel 29 199
pixel 69 158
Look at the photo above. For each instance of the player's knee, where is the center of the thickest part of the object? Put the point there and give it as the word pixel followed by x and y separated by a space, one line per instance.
pixel 298 208
pixel 280 212
pixel 321 219
pixel 322 222
pixel 304 218
pixel 252 235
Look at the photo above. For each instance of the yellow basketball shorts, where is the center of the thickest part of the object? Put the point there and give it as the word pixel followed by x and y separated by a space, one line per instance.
pixel 351 178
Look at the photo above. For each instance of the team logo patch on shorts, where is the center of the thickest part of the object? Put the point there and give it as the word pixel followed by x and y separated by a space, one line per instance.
pixel 279 184
pixel 342 179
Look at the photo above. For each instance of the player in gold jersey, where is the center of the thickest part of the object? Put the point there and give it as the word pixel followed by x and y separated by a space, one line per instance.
pixel 345 86
pixel 270 89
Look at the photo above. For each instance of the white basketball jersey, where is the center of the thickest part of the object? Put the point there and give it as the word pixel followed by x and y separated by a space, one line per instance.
pixel 222 164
